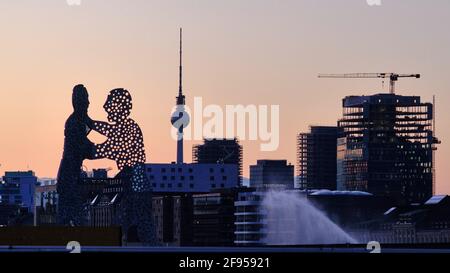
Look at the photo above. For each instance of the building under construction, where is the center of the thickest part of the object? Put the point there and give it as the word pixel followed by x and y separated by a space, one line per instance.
pixel 387 146
pixel 219 151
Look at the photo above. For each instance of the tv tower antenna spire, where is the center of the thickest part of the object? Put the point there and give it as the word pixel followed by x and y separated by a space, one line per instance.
pixel 180 118
pixel 181 98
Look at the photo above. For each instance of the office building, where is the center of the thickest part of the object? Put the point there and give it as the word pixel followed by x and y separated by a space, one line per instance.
pixel 250 219
pixel 213 218
pixel 172 215
pixel 191 178
pixel 316 158
pixel 18 188
pixel 272 174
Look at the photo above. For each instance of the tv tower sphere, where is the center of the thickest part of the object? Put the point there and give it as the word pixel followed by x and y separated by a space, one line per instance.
pixel 180 118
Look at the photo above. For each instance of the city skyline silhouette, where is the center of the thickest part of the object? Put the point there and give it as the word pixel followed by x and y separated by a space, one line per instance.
pixel 257 52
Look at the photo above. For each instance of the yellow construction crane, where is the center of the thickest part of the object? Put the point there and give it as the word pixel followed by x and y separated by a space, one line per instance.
pixel 393 77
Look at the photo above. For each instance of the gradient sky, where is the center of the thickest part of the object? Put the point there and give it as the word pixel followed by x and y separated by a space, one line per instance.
pixel 236 52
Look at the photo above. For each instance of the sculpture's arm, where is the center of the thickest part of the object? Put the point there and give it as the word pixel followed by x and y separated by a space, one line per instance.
pixel 101 127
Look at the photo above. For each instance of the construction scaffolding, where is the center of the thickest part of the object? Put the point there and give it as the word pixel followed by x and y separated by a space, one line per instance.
pixel 389 146
pixel 219 151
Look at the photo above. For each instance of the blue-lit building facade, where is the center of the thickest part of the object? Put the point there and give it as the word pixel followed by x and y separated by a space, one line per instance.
pixel 18 188
pixel 191 178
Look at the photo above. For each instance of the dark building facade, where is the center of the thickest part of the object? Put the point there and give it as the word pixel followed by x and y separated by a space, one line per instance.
pixel 103 198
pixel 272 173
pixel 348 209
pixel 427 223
pixel 46 205
pixel 15 215
pixel 219 151
pixel 316 158
pixel 172 215
pixel 213 218
pixel 387 146
pixel 250 220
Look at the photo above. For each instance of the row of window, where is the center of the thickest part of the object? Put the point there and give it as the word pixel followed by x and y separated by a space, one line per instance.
pixel 180 185
pixel 190 170
pixel 182 178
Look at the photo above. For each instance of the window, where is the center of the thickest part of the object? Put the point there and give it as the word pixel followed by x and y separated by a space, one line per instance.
pixel 163 170
pixel 164 178
pixel 162 185
pixel 149 170
pixel 169 186
pixel 180 170
pixel 222 170
pixel 224 178
pixel 191 178
pixel 211 178
pixel 211 170
pixel 190 170
pixel 182 178
pixel 172 177
pixel 191 186
pixel 213 186
pixel 180 185
pixel 222 185
pixel 172 170
pixel 154 185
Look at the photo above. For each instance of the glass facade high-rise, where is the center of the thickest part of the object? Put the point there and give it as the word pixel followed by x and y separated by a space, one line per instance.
pixel 316 158
pixel 386 147
pixel 271 174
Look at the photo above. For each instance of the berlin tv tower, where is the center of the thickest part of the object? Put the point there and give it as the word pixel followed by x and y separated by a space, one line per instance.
pixel 180 118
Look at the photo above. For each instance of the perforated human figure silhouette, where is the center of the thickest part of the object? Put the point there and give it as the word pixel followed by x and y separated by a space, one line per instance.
pixel 125 145
pixel 77 148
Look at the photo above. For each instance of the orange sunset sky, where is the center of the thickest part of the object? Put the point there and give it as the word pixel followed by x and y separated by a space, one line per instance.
pixel 235 52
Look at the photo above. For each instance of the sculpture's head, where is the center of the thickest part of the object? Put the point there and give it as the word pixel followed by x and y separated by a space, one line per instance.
pixel 80 99
pixel 118 105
